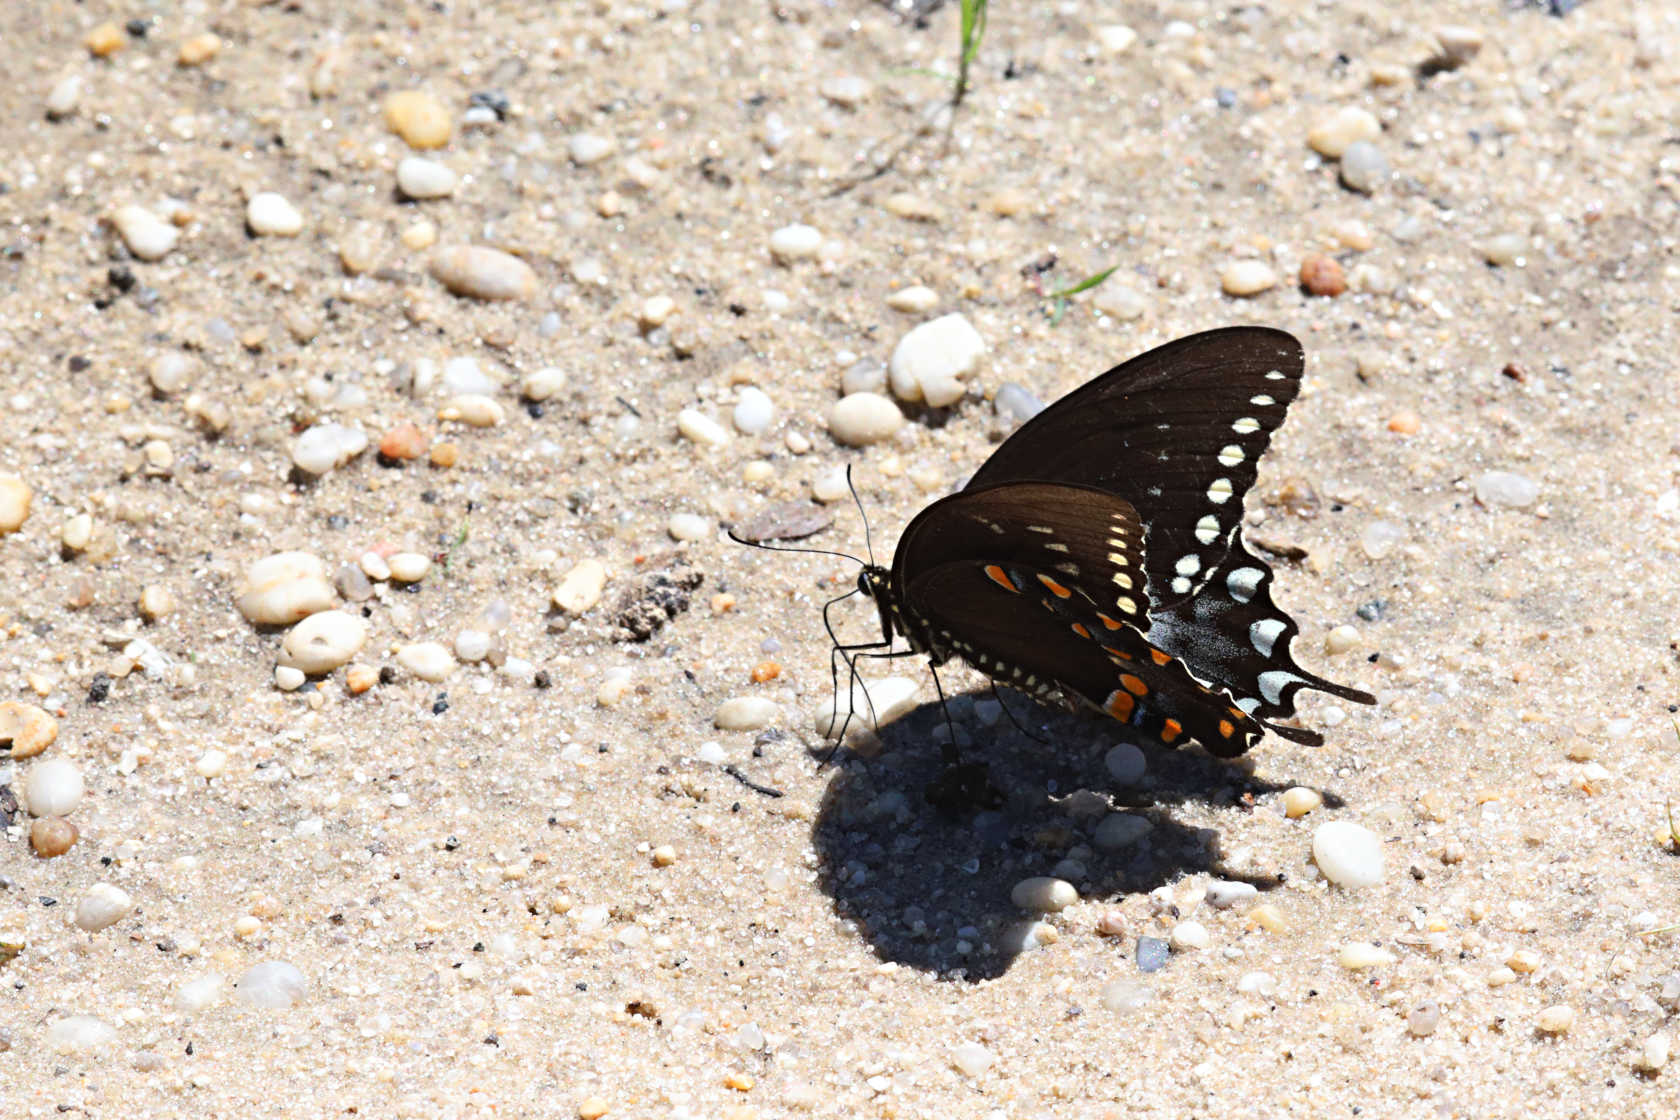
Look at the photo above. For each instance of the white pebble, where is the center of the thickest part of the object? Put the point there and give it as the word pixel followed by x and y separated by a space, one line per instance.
pixel 271 215
pixel 147 236
pixel 483 273
pixel 1654 1053
pixel 1115 38
pixel 1341 640
pixel 54 788
pixel 473 409
pixel 830 486
pixel 1124 996
pixel 1222 894
pixel 322 642
pixel 581 587
pixel 880 703
pixel 1364 167
pixel 80 1034
pixel 1043 894
pixel 103 906
pixel 429 661
pixel 272 984
pixel 410 567
pixel 712 753
pixel 472 645
pixel 15 499
pixel 1358 955
pixel 931 360
pixel 1505 488
pixel 1506 250
pixel 64 96
pixel 861 419
pixel 374 566
pixel 1257 983
pixel 846 90
pixel 77 532
pixel 1298 801
pixel 168 372
pixel 688 527
pixel 199 993
pixel 1247 278
pixel 542 384
pixel 1332 136
pixel 702 429
pixel 1348 854
pixel 917 299
pixel 795 242
pixel 1189 935
pixel 462 374
pixel 586 148
pixel 753 411
pixel 972 1059
pixel 421 178
pixel 289 679
pixel 326 446
pixel 1126 764
pixel 1379 538
pixel 655 311
pixel 1121 830
pixel 746 713
pixel 1119 300
pixel 211 764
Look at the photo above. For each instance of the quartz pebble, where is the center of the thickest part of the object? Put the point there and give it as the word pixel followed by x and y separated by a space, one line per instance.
pixel 586 148
pixel 430 661
pixel 1422 1020
pixel 155 602
pixel 1122 997
pixel 270 215
pixel 323 641
pixel 1121 830
pixel 77 532
pixel 1342 639
pixel 540 385
pixel 916 299
pixel 25 730
pixel 1348 854
pixel 1458 44
pixel 1298 801
pixel 81 1034
pixel 871 706
pixel 288 678
pixel 1333 136
pixel 702 429
pixel 1653 1053
pixel 1043 894
pixel 753 411
pixel 1379 538
pixel 1356 956
pixel 199 994
pixel 1013 402
pixel 1119 300
pixel 284 588
pixel 861 419
pixel 846 89
pixel 1364 167
pixel 327 446
pixel 420 178
pixel 972 1059
pixel 1322 276
pixel 795 243
pixel 275 985
pixel 1126 764
pixel 1115 38
pixel 1556 1019
pixel 404 442
pixel 581 587
pixel 688 527
pixel 473 409
pixel 419 118
pixel 102 906
pixel 169 372
pixel 15 499
pixel 1223 894
pixel 409 567
pixel 53 788
pixel 52 836
pixel 1152 953
pixel 199 49
pixel 1505 250
pixel 65 95
pixel 1188 936
pixel 931 360
pixel 472 646
pixel 147 236
pixel 1247 278
pixel 104 40
pixel 746 713
pixel 1507 489
pixel 483 273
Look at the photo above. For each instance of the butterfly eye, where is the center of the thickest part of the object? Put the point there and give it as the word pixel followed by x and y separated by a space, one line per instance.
pixel 866 585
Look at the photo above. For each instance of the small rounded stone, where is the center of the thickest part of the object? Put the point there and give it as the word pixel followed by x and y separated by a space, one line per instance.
pixel 104 40
pixel 1505 250
pixel 211 764
pixel 323 641
pixel 25 730
pixel 483 273
pixel 1653 1053
pixel 702 429
pixel 52 836
pixel 1121 830
pixel 53 788
pixel 81 1034
pixel 1247 278
pixel 1298 801
pixel 540 385
pixel 1187 936
pixel 16 497
pixel 155 602
pixel 1223 894
pixel 1422 1020
pixel 1043 894
pixel 77 532
pixel 275 985
pixel 1334 135
pixel 288 678
pixel 1348 854
pixel 271 215
pixel 1126 764
pixel 327 446
pixel 409 567
pixel 404 442
pixel 199 49
pixel 145 234
pixel 688 527
pixel 169 371
pixel 1556 1019
pixel 1506 489
pixel 473 409
pixel 915 299
pixel 419 118
pixel 1322 276
pixel 64 96
pixel 429 661
pixel 1364 167
pixel 795 243
pixel 861 419
pixel 586 148
pixel 746 713
pixel 753 411
pixel 664 855
pixel 581 587
pixel 930 362
pixel 1356 956
pixel 103 906
pixel 1115 38
pixel 420 178
pixel 1343 639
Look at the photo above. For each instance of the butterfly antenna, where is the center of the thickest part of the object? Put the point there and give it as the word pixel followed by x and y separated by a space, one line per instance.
pixel 867 543
pixel 786 548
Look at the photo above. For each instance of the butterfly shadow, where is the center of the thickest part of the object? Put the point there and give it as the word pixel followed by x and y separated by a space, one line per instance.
pixel 930 888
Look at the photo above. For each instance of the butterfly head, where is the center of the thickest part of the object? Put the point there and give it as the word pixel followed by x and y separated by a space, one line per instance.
pixel 876 583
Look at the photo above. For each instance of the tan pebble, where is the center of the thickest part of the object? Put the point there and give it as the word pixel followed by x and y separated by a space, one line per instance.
pixel 199 49
pixel 445 455
pixel 52 836
pixel 1405 423
pixel 15 497
pixel 483 273
pixel 1353 234
pixel 739 1082
pixel 1580 750
pixel 580 588
pixel 1356 956
pixel 77 532
pixel 722 603
pixel 104 40
pixel 1247 278
pixel 359 678
pixel 1500 977
pixel 473 409
pixel 1341 640
pixel 1654 1053
pixel 405 441
pixel 747 1112
pixel 155 602
pixel 592 1108
pixel 664 856
pixel 1523 960
pixel 1009 202
pixel 25 730
pixel 765 671
pixel 610 204
pixel 1298 801
pixel 1556 1019
pixel 419 236
pixel 913 207
pixel 1111 923
pixel 612 691
pixel 1267 917
pixel 1323 276
pixel 247 926
pixel 419 118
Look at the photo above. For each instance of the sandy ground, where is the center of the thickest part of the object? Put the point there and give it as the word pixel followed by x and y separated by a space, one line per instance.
pixel 467 874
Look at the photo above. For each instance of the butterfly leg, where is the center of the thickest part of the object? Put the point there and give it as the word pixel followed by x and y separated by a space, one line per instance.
pixel 998 696
pixel 961 786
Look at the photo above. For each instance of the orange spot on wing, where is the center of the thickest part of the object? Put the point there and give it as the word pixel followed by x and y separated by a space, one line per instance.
pixel 1081 631
pixel 1133 685
pixel 1158 657
pixel 1120 705
pixel 1000 577
pixel 1171 730
pixel 1227 728
pixel 1120 653
pixel 1112 624
pixel 1055 588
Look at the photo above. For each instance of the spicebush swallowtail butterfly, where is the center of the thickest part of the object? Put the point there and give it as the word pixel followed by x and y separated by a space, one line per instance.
pixel 1097 556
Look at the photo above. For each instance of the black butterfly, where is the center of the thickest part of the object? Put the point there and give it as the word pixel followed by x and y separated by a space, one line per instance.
pixel 1097 556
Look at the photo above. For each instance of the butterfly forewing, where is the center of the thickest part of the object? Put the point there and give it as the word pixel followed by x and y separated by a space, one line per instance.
pixel 1177 432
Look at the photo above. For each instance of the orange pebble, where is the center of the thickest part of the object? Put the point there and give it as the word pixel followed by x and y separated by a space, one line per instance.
pixel 1405 422
pixel 1322 276
pixel 445 455
pixel 405 441
pixel 766 671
